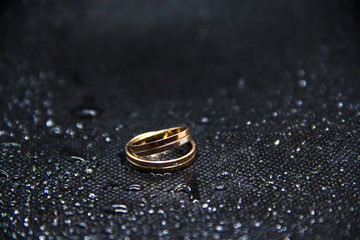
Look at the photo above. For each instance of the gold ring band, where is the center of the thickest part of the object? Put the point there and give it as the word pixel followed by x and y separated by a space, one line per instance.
pixel 162 164
pixel 157 142
pixel 165 147
pixel 146 143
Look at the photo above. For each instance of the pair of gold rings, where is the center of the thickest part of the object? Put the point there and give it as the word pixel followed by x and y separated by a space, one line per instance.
pixel 145 150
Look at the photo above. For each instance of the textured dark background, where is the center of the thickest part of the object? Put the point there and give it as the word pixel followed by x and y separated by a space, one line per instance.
pixel 270 90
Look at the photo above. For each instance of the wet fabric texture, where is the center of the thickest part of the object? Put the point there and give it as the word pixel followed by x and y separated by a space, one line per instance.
pixel 269 89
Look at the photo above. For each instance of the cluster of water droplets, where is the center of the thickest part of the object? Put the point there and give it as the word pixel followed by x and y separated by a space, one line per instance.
pixel 69 192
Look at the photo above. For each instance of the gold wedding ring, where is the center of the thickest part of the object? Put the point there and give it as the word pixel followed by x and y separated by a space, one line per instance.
pixel 143 151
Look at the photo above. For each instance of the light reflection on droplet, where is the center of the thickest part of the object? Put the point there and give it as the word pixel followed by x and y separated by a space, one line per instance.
pixel 120 208
pixel 134 187
pixel 77 158
pixel 302 83
pixel 50 123
pixel 3 172
pixel 204 120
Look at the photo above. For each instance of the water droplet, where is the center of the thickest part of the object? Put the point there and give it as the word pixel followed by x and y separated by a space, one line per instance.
pixel 302 83
pixel 339 104
pixel 220 186
pixel 87 109
pixel 183 188
pixel 299 103
pixel 66 186
pixel 274 114
pixel 241 83
pixel 50 112
pixel 16 177
pixel 120 208
pixel 80 125
pixel 134 115
pixel 77 158
pixel 4 173
pixel 204 120
pixel 71 155
pixel 118 127
pixel 277 142
pixel 89 112
pixel 89 170
pixel 237 225
pixel 92 195
pixel 26 222
pixel 47 103
pixel 223 174
pixel 70 132
pixel 301 73
pixel 134 187
pixel 219 228
pixel 56 131
pixel 50 123
pixel 11 144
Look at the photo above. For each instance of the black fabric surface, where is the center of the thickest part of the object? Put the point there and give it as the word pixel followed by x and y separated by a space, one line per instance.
pixel 269 90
